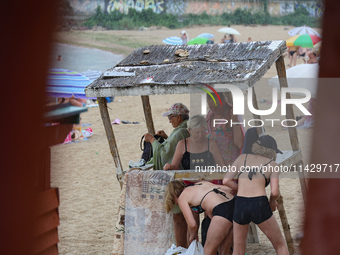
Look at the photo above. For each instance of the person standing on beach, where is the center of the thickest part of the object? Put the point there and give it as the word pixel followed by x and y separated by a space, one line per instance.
pixel 184 37
pixel 292 54
pixel 254 172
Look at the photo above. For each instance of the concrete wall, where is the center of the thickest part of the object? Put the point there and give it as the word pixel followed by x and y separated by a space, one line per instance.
pixel 179 7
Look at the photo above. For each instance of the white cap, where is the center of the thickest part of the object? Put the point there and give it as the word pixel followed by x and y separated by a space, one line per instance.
pixel 183 32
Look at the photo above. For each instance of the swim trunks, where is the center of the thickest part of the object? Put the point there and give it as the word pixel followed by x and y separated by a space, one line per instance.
pixel 251 209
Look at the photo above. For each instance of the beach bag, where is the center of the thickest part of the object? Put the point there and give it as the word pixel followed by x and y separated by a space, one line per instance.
pixel 195 248
pixel 147 147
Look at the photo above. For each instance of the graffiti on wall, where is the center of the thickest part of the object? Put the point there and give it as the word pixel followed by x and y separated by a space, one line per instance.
pixel 176 7
pixel 286 8
pixel 217 8
pixel 87 6
pixel 123 6
pixel 315 10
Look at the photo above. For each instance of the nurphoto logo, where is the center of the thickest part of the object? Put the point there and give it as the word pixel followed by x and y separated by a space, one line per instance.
pixel 238 105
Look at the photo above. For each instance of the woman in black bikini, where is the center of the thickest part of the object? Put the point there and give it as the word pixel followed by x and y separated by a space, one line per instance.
pixel 197 151
pixel 255 172
pixel 214 200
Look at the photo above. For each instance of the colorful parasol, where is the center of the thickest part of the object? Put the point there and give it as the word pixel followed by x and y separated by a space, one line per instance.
pixel 304 40
pixel 198 40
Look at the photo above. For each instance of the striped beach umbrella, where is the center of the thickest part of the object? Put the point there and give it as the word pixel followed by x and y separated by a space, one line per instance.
pixel 92 74
pixel 66 83
pixel 303 30
pixel 174 40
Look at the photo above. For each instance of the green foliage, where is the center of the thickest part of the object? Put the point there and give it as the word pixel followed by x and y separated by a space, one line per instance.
pixel 134 19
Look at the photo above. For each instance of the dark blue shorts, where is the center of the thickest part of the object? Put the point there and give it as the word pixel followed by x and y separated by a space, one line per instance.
pixel 251 209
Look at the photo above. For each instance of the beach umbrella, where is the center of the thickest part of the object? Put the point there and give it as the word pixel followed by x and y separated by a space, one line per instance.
pixel 229 30
pixel 66 83
pixel 92 74
pixel 174 40
pixel 300 76
pixel 317 46
pixel 304 40
pixel 198 40
pixel 303 30
pixel 206 35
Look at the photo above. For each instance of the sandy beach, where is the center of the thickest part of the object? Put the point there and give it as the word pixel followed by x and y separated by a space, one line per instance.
pixel 85 171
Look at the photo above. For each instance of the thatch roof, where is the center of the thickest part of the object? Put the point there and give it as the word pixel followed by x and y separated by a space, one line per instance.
pixel 161 71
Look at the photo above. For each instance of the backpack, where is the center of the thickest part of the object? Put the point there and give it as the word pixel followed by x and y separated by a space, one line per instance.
pixel 147 147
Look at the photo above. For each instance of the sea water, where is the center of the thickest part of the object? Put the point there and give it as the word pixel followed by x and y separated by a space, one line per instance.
pixel 81 59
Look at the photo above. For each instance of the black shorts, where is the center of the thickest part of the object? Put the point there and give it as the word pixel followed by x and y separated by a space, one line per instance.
pixel 251 209
pixel 292 53
pixel 225 210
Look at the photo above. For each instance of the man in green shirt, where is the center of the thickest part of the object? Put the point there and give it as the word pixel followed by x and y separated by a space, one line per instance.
pixel 178 115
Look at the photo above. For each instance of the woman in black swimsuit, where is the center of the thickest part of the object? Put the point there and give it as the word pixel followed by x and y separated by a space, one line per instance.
pixel 196 152
pixel 214 200
pixel 255 171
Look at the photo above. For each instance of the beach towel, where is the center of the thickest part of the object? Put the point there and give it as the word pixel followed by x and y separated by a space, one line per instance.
pixel 147 228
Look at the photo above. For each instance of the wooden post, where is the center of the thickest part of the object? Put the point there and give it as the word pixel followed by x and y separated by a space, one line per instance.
pixel 285 225
pixel 257 117
pixel 282 212
pixel 281 72
pixel 109 134
pixel 148 114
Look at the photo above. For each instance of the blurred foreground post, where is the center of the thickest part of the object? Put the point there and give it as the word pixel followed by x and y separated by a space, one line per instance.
pixel 322 221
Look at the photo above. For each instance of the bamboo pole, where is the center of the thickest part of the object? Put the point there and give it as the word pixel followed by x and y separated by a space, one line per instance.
pixel 109 134
pixel 294 141
pixel 282 212
pixel 148 114
pixel 285 225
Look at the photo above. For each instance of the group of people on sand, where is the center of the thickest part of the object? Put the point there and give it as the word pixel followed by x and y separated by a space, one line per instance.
pixel 226 38
pixel 308 56
pixel 230 205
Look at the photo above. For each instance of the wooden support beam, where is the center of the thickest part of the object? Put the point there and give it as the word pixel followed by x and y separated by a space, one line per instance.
pixel 109 133
pixel 257 117
pixel 281 72
pixel 294 141
pixel 148 114
pixel 285 225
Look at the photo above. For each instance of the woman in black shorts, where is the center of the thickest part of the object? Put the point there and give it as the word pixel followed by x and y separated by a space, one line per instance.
pixel 254 172
pixel 214 200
